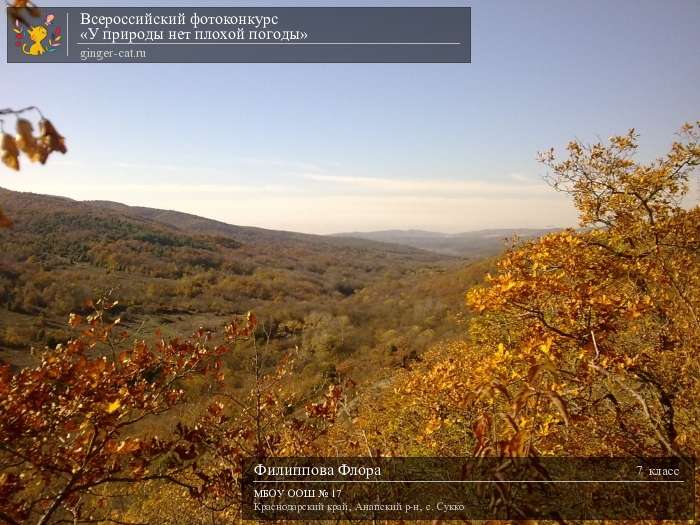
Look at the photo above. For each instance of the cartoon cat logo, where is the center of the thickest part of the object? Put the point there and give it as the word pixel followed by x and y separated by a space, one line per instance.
pixel 37 37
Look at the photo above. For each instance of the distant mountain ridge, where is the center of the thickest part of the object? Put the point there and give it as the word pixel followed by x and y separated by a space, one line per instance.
pixel 479 243
pixel 419 245
pixel 17 203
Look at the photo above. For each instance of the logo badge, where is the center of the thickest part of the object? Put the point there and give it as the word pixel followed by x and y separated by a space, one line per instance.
pixel 39 39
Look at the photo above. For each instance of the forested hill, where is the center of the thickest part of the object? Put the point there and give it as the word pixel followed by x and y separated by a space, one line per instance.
pixel 345 297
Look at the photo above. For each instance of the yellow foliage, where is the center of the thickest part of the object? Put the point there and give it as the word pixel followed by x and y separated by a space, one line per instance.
pixel 586 341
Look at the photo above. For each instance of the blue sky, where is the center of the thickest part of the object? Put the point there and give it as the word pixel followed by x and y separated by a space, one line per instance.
pixel 324 148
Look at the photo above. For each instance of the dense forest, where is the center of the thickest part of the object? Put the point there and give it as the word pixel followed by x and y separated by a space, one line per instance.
pixel 146 352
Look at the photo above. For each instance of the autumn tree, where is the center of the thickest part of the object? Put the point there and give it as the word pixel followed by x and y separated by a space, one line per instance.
pixel 70 425
pixel 78 438
pixel 586 341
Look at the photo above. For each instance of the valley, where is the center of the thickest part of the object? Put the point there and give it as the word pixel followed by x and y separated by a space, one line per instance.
pixel 353 305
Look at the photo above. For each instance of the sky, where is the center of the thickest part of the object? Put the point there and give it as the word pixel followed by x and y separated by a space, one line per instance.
pixel 325 148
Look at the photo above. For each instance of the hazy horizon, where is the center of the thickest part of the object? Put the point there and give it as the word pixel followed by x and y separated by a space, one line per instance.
pixel 345 232
pixel 329 148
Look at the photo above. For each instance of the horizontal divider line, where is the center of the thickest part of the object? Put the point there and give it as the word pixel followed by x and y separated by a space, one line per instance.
pixel 269 43
pixel 468 481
